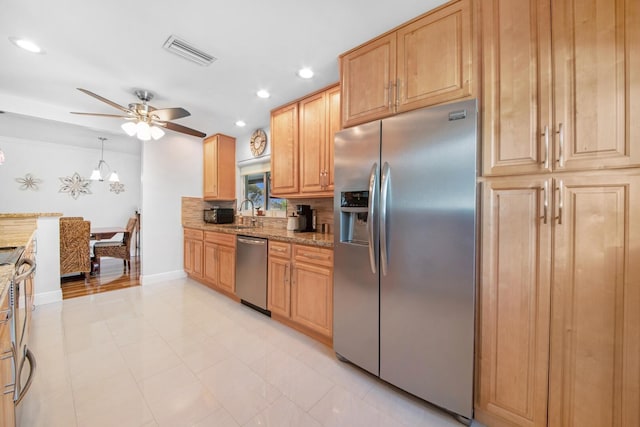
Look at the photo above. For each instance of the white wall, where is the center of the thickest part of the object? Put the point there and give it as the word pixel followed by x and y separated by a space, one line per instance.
pixel 48 162
pixel 171 168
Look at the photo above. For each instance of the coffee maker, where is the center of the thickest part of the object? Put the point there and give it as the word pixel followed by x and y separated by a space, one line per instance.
pixel 305 218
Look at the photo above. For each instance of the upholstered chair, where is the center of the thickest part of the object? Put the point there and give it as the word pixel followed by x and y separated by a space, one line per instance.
pixel 121 249
pixel 75 249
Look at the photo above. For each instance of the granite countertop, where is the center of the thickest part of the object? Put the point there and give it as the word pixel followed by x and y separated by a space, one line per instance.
pixel 29 214
pixel 279 234
pixel 16 229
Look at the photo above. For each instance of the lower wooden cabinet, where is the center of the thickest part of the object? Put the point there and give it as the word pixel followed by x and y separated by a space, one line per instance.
pixel 301 286
pixel 193 245
pixel 559 313
pixel 220 261
pixel 279 281
pixel 7 413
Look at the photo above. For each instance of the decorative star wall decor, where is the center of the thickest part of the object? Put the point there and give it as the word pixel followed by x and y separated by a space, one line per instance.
pixel 75 185
pixel 29 182
pixel 116 187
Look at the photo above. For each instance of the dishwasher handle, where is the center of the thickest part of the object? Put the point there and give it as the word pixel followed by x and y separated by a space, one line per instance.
pixel 260 242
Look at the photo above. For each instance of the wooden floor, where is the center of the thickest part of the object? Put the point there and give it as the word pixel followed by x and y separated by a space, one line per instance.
pixel 112 276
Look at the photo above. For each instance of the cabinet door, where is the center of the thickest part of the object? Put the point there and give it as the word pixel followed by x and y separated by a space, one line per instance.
pixel 188 256
pixel 284 150
pixel 333 126
pixel 279 301
pixel 226 167
pixel 312 297
pixel 210 273
pixel 210 168
pixel 595 330
pixel 435 58
pixel 597 83
pixel 517 121
pixel 514 303
pixel 366 76
pixel 219 167
pixel 312 134
pixel 193 257
pixel 227 268
pixel 196 257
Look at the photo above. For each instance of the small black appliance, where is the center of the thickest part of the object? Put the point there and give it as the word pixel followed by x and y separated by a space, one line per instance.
pixel 219 215
pixel 305 215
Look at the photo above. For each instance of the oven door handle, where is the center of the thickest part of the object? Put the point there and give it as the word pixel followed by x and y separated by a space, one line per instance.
pixel 32 370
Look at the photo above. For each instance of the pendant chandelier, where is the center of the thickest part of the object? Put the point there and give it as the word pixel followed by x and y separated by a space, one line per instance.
pixel 103 169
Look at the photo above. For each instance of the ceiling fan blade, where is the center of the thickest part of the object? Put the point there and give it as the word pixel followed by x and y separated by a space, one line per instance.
pixel 166 114
pixel 102 115
pixel 105 100
pixel 179 128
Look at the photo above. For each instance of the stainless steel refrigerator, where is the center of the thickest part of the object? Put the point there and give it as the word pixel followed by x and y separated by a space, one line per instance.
pixel 405 251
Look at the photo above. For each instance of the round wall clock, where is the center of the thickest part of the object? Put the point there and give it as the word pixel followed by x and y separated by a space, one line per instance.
pixel 258 142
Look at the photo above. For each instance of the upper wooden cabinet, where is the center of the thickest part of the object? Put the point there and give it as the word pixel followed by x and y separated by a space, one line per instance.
pixel 561 87
pixel 302 136
pixel 219 167
pixel 424 62
pixel 366 76
pixel 284 150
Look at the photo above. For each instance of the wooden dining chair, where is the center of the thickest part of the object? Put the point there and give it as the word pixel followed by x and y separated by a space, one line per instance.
pixel 74 246
pixel 121 249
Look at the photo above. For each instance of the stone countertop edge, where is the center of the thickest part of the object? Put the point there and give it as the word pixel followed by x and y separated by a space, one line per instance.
pixel 29 214
pixel 279 234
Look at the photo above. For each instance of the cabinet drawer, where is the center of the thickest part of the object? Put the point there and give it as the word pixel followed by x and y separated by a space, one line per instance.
pixel 192 233
pixel 279 249
pixel 220 238
pixel 313 255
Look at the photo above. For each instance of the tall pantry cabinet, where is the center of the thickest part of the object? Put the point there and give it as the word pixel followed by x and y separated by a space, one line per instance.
pixel 559 297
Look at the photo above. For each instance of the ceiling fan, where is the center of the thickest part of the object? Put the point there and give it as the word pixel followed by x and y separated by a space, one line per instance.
pixel 143 120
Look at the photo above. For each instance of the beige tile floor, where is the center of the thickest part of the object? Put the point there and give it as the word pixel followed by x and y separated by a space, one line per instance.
pixel 179 354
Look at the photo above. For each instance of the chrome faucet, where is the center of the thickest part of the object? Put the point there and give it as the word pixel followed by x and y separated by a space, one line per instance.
pixel 253 218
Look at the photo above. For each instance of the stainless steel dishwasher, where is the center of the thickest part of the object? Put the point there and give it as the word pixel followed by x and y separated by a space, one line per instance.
pixel 251 272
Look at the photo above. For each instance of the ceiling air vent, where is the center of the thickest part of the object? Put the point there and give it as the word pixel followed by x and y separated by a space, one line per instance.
pixel 187 51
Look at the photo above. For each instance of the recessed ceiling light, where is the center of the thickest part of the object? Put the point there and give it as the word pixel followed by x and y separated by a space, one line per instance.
pixel 27 45
pixel 263 93
pixel 240 124
pixel 305 73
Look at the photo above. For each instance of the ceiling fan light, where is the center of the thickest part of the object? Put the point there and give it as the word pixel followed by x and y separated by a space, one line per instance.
pixel 144 132
pixel 129 128
pixel 114 177
pixel 156 132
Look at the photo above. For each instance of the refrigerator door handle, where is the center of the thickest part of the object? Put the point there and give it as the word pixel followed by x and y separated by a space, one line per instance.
pixel 371 219
pixel 384 196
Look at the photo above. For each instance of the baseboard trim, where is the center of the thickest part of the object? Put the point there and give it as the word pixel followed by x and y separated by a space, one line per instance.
pixel 48 297
pixel 150 279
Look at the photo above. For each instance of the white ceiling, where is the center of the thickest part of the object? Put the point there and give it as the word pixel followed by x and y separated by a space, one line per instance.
pixel 114 47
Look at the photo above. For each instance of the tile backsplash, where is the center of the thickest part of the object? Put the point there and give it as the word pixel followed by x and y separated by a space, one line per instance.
pixel 192 208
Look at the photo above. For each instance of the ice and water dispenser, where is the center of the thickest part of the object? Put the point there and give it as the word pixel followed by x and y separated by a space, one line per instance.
pixel 354 208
